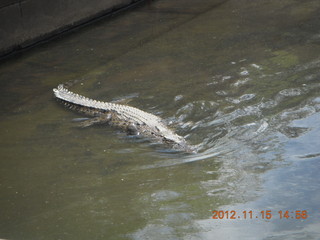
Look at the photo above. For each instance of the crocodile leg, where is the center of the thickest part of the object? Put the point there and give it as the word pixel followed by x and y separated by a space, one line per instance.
pixel 105 118
pixel 132 129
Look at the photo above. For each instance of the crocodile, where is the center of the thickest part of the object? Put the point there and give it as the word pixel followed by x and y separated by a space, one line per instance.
pixel 130 119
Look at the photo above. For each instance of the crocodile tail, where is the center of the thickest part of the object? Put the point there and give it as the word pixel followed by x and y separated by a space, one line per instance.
pixel 64 94
pixel 127 111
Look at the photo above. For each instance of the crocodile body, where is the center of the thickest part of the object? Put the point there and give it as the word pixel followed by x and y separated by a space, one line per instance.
pixel 130 119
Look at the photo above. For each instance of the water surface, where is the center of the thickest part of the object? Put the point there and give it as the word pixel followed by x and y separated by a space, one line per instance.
pixel 239 79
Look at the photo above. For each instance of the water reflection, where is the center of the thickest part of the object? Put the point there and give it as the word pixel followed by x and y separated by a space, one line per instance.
pixel 239 81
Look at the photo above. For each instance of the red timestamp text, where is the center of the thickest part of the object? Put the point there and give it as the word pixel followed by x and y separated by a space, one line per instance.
pixel 263 214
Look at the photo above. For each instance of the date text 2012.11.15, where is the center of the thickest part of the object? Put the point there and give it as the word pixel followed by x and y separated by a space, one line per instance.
pixel 264 214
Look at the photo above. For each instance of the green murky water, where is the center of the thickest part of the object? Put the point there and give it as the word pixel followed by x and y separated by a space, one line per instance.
pixel 239 79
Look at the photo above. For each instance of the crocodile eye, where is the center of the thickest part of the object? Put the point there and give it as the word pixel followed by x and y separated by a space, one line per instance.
pixel 168 140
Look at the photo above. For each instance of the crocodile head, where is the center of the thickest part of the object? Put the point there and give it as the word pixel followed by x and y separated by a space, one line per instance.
pixel 181 145
pixel 177 142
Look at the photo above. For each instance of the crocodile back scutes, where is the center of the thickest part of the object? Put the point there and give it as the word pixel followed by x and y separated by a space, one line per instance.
pixel 126 112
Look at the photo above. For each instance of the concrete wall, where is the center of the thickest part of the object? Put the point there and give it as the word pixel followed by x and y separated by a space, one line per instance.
pixel 25 22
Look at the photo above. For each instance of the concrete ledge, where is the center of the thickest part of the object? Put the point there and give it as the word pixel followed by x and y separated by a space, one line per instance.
pixel 26 22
